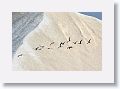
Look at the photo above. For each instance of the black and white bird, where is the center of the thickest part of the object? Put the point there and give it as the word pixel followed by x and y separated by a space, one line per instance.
pixel 69 47
pixel 80 42
pixel 89 41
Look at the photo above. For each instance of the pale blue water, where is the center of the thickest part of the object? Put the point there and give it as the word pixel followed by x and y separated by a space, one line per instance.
pixel 94 14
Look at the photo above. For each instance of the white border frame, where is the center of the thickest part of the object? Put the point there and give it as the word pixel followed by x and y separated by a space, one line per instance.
pixel 104 76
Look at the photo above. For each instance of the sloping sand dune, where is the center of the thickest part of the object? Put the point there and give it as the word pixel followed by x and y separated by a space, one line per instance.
pixel 62 42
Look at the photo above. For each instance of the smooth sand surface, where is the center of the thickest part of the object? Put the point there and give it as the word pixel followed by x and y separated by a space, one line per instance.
pixel 80 50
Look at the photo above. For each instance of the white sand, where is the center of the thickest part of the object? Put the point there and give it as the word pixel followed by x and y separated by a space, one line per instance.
pixel 57 28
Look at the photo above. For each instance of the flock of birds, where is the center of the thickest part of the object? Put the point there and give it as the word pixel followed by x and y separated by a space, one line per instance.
pixel 60 45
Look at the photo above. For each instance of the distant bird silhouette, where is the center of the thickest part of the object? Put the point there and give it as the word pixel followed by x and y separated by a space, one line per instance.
pixel 89 41
pixel 80 42
pixel 62 43
pixel 20 55
pixel 75 42
pixel 68 40
pixel 69 47
pixel 52 43
pixel 39 49
pixel 49 48
pixel 36 48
